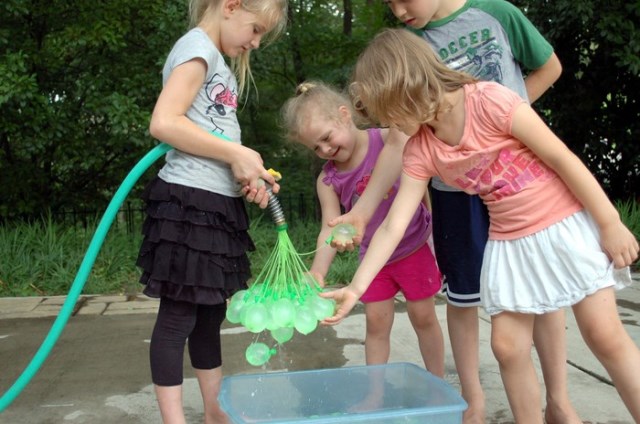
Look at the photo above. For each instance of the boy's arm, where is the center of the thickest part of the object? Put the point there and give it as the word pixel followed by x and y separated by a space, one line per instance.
pixel 539 80
pixel 386 172
pixel 330 207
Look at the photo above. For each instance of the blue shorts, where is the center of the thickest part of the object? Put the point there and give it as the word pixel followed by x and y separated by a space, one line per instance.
pixel 460 232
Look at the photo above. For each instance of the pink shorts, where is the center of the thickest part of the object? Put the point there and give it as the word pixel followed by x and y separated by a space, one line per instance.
pixel 416 275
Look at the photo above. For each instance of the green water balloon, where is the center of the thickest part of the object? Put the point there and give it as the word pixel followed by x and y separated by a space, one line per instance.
pixel 256 289
pixel 234 311
pixel 282 334
pixel 255 317
pixel 239 296
pixel 343 233
pixel 322 308
pixel 236 304
pixel 306 320
pixel 258 354
pixel 283 312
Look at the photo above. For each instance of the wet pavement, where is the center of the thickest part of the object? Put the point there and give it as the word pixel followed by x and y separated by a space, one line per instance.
pixel 98 371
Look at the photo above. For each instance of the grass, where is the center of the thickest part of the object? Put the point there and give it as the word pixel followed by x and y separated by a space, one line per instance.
pixel 630 214
pixel 42 258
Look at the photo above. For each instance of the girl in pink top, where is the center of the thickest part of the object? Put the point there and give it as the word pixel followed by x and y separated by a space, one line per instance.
pixel 555 239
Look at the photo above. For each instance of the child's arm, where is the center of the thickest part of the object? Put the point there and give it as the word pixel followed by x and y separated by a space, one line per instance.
pixel 386 172
pixel 170 124
pixel 617 241
pixel 382 246
pixel 330 207
pixel 427 198
pixel 539 80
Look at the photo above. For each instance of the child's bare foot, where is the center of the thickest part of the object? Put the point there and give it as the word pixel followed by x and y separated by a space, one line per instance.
pixel 216 416
pixel 561 414
pixel 474 414
pixel 370 403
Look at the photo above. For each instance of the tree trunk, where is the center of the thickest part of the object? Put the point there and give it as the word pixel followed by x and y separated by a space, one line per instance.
pixel 347 18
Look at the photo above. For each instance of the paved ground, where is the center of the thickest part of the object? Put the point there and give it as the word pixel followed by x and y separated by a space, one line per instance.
pixel 98 371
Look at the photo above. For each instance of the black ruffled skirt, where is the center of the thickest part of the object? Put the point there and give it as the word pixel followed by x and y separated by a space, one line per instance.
pixel 195 244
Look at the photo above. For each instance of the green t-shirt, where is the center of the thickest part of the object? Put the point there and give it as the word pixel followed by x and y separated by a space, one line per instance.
pixel 491 40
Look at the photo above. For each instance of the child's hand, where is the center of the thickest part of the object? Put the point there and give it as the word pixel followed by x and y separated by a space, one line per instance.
pixel 346 299
pixel 247 167
pixel 349 218
pixel 260 195
pixel 619 244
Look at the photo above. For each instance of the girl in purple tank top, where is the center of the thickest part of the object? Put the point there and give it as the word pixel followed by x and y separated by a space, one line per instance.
pixel 320 118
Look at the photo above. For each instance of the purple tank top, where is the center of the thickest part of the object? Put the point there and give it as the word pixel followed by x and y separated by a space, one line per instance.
pixel 349 186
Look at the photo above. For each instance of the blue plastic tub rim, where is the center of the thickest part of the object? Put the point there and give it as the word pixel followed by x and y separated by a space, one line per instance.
pixel 459 407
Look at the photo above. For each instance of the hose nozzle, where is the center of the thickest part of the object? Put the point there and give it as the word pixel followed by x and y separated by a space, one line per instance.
pixel 275 209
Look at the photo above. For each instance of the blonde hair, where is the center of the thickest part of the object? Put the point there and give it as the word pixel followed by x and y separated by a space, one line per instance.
pixel 399 77
pixel 311 99
pixel 273 11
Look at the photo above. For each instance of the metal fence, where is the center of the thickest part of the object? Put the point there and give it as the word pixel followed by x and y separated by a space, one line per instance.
pixel 296 206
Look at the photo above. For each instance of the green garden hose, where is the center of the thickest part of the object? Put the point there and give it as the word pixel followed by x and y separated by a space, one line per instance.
pixel 83 272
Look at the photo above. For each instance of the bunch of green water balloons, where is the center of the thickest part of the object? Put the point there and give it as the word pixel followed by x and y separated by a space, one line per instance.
pixel 260 308
pixel 283 298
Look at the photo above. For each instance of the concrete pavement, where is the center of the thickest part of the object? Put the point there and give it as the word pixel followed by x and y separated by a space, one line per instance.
pixel 98 371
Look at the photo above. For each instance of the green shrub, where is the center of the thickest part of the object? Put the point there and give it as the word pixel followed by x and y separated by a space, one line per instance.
pixel 43 258
pixel 630 214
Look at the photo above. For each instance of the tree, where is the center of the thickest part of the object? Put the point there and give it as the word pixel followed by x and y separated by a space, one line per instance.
pixel 79 82
pixel 595 106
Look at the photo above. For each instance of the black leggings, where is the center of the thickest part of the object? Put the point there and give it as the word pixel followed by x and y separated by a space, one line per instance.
pixel 176 322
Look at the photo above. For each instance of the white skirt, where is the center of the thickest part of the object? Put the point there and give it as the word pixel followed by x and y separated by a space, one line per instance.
pixel 551 269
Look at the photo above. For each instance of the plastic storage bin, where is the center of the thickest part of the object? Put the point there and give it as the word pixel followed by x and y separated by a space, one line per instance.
pixel 398 393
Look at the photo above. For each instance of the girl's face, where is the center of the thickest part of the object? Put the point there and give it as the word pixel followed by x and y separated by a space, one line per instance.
pixel 414 13
pixel 330 139
pixel 241 31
